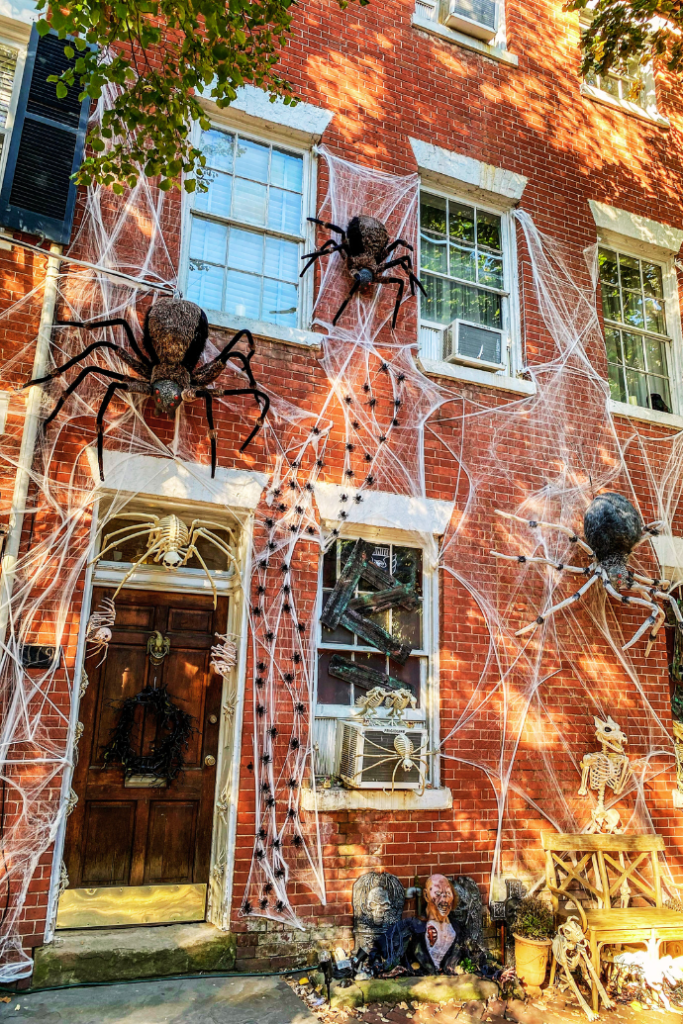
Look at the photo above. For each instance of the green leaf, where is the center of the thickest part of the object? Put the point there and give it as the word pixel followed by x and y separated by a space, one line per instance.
pixel 62 91
pixel 190 184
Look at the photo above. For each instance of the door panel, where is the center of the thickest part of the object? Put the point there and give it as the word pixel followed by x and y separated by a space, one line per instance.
pixel 127 832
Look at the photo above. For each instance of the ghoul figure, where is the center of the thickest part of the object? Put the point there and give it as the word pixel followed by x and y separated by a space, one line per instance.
pixel 613 530
pixel 175 335
pixel 366 247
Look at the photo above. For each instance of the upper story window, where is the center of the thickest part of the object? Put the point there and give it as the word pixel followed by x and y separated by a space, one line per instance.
pixel 247 230
pixel 465 315
pixel 637 334
pixel 631 86
pixel 477 18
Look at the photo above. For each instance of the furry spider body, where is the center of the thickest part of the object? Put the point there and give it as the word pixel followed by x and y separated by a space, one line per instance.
pixel 613 530
pixel 366 247
pixel 175 335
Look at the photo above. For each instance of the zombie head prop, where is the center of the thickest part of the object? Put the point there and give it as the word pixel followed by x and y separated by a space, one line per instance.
pixel 439 897
pixel 378 900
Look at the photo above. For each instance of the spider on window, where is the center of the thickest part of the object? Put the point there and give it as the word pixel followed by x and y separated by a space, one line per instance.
pixel 175 335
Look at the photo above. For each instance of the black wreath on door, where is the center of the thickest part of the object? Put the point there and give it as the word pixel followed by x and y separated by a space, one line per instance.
pixel 174 725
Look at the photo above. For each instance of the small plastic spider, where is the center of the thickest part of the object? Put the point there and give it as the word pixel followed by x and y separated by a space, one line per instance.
pixel 365 245
pixel 613 529
pixel 175 335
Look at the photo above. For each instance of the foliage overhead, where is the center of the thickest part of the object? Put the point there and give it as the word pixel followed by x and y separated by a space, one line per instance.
pixel 159 55
pixel 621 31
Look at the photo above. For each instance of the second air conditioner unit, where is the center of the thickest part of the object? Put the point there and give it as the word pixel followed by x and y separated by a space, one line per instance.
pixel 477 18
pixel 474 345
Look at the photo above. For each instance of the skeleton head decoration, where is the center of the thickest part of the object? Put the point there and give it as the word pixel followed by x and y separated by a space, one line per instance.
pixel 378 900
pixel 609 732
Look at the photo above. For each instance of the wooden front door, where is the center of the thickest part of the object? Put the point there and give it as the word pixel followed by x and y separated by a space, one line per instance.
pixel 151 843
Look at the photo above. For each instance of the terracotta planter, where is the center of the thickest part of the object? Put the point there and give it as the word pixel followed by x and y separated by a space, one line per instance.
pixel 531 958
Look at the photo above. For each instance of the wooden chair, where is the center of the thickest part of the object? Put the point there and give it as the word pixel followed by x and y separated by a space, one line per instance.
pixel 601 870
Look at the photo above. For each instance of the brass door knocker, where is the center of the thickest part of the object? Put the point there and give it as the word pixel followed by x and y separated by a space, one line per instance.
pixel 158 647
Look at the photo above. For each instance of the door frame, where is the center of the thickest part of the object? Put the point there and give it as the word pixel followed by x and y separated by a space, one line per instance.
pixel 224 827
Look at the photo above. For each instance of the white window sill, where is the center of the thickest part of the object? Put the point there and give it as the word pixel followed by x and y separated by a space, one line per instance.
pixel 469 42
pixel 328 800
pixel 470 375
pixel 272 332
pixel 600 96
pixel 636 412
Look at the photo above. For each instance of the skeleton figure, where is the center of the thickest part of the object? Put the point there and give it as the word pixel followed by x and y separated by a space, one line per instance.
pixel 571 954
pixel 397 701
pixel 605 768
pixel 367 705
pixel 98 630
pixel 613 529
pixel 223 655
pixel 170 541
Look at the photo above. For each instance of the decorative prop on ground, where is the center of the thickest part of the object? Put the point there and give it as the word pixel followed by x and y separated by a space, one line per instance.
pixel 366 248
pixel 174 728
pixel 378 899
pixel 171 542
pixel 98 631
pixel 613 530
pixel 604 769
pixel 570 954
pixel 174 340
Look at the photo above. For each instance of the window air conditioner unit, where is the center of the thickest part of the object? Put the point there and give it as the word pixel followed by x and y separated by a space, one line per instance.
pixel 477 18
pixel 473 345
pixel 367 756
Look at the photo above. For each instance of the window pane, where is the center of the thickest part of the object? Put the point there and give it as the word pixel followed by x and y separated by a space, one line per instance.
pixel 243 294
pixel 433 254
pixel 246 251
pixel 633 309
pixel 633 350
pixel 490 270
pixel 435 306
pixel 407 567
pixel 463 263
pixel 208 241
pixel 329 569
pixel 629 268
pixel 610 85
pixel 488 230
pixel 282 259
pixel 490 309
pixel 433 213
pixel 8 66
pixel 218 148
pixel 408 673
pixel 205 285
pixel 613 345
pixel 284 211
pixel 331 690
pixel 652 279
pixel 461 222
pixel 250 201
pixel 638 392
pixel 655 319
pixel 611 306
pixel 656 356
pixel 279 302
pixel 660 397
pixel 617 387
pixel 217 198
pixel 607 261
pixel 252 160
pixel 287 171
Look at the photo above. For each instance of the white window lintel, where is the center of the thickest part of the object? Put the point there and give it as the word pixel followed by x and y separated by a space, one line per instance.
pixel 641 236
pixel 253 111
pixel 464 174
pixel 385 509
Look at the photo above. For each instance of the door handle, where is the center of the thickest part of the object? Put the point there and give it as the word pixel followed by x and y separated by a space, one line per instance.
pixel 209 761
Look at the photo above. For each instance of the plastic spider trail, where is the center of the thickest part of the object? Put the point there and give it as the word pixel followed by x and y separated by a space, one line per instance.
pixel 613 530
pixel 175 335
pixel 366 247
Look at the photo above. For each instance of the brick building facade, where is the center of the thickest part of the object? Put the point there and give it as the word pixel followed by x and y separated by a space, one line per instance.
pixel 476 116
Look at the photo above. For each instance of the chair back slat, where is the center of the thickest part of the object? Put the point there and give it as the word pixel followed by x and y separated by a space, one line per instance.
pixel 605 867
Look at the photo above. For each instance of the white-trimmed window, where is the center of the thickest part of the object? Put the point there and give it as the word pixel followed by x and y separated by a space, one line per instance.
pixel 481 19
pixel 464 269
pixel 336 698
pixel 637 334
pixel 11 68
pixel 631 87
pixel 247 231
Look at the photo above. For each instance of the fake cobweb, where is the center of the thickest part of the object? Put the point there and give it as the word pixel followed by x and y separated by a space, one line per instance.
pixel 516 713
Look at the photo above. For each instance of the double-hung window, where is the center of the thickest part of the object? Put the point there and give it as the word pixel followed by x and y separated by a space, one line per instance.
pixel 336 697
pixel 465 315
pixel 247 230
pixel 629 85
pixel 637 337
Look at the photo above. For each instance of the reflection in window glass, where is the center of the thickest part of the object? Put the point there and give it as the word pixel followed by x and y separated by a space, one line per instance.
pixel 635 330
pixel 246 232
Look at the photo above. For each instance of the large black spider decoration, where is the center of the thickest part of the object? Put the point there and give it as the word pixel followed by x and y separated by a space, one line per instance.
pixel 613 530
pixel 366 247
pixel 175 335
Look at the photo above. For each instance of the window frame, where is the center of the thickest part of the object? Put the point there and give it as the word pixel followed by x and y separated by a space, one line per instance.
pixel 511 340
pixel 426 717
pixel 672 318
pixel 18 42
pixel 428 15
pixel 223 318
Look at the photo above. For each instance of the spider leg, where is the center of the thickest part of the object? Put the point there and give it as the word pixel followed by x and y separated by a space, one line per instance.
pixel 330 227
pixel 258 395
pixel 132 569
pixel 325 250
pixel 109 394
pixel 406 263
pixel 212 430
pixel 59 370
pixel 216 541
pixel 377 763
pixel 648 581
pixel 192 550
pixel 656 613
pixel 393 245
pixel 533 524
pixel 79 379
pixel 354 289
pixel 558 607
pixel 116 322
pixel 399 295
pixel 208 373
pixel 560 566
pixel 132 536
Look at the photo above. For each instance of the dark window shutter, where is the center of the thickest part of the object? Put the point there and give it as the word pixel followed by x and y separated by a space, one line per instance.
pixel 46 147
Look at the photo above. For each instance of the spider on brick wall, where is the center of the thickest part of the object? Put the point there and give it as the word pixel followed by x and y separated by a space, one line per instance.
pixel 613 530
pixel 175 335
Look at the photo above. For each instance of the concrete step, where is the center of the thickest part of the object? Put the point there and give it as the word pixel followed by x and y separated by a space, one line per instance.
pixel 116 954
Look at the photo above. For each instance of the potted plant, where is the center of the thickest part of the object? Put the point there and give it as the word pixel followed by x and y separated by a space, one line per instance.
pixel 533 929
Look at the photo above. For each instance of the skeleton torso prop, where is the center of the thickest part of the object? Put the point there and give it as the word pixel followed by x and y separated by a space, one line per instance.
pixel 440 937
pixel 603 769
